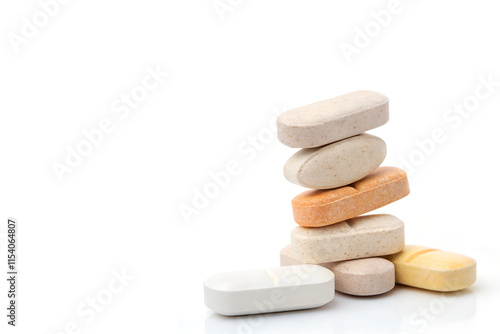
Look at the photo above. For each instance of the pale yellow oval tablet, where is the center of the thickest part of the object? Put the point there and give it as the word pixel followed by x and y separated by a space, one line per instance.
pixel 433 269
pixel 337 164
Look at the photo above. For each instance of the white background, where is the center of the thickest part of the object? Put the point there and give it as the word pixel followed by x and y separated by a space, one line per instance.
pixel 228 75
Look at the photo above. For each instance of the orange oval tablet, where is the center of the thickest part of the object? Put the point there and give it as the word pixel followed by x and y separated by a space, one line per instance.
pixel 315 208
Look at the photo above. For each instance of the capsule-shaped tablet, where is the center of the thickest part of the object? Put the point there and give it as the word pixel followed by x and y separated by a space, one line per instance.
pixel 334 119
pixel 364 236
pixel 337 164
pixel 433 269
pixel 315 208
pixel 269 290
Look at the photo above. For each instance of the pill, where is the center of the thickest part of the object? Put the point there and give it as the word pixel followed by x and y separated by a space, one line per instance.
pixel 269 290
pixel 360 237
pixel 337 164
pixel 433 269
pixel 364 277
pixel 361 277
pixel 334 119
pixel 315 208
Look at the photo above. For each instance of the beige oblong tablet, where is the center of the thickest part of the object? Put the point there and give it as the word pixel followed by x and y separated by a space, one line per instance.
pixel 315 208
pixel 334 119
pixel 337 164
pixel 361 277
pixel 360 237
pixel 433 269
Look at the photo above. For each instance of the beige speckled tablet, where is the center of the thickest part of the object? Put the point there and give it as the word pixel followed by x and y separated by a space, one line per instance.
pixel 364 277
pixel 433 269
pixel 365 236
pixel 334 119
pixel 337 164
pixel 361 277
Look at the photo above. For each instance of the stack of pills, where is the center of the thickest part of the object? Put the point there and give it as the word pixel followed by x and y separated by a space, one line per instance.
pixel 333 247
pixel 341 163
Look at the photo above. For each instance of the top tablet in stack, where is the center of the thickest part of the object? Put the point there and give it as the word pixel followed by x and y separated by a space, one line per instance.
pixel 334 119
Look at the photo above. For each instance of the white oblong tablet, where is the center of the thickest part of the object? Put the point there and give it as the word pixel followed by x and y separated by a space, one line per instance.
pixel 337 164
pixel 269 290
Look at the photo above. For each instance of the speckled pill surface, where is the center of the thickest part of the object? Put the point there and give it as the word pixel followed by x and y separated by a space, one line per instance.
pixel 361 277
pixel 286 258
pixel 316 208
pixel 433 269
pixel 360 237
pixel 364 277
pixel 337 164
pixel 334 119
